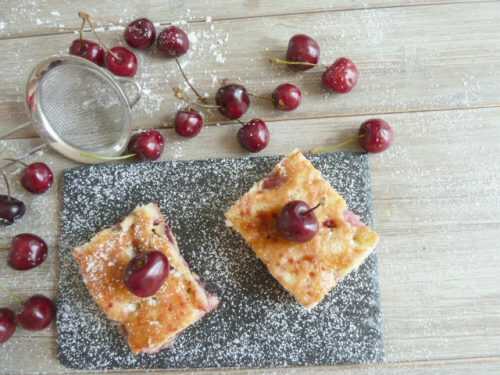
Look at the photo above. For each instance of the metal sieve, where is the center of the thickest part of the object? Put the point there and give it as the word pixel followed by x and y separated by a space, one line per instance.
pixel 79 109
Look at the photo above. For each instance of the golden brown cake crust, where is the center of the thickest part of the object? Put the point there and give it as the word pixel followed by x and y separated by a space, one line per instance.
pixel 149 323
pixel 307 270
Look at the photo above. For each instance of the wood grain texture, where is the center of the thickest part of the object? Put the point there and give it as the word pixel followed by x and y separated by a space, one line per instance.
pixel 21 18
pixel 436 208
pixel 410 59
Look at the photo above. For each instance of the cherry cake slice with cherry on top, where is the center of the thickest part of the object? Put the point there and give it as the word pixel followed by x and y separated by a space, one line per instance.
pixel 152 323
pixel 307 270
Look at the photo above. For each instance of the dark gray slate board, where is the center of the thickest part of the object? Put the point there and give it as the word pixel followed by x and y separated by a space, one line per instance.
pixel 258 324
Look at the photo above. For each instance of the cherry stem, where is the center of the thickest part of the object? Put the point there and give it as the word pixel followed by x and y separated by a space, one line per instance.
pixel 200 97
pixel 29 153
pixel 311 209
pixel 6 180
pixel 323 149
pixel 180 95
pixel 241 122
pixel 14 161
pixel 276 60
pixel 86 17
pixel 82 26
pixel 261 97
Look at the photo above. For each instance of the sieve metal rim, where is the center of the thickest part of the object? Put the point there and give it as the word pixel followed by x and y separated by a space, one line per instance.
pixel 57 143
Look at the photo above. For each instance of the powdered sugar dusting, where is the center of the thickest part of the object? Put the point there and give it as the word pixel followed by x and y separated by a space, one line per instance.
pixel 257 324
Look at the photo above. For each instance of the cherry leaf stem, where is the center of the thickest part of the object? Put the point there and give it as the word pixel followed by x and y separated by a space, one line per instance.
pixel 180 95
pixel 29 153
pixel 108 158
pixel 6 181
pixel 14 161
pixel 82 26
pixel 86 17
pixel 278 61
pixel 311 209
pixel 269 99
pixel 323 149
pixel 200 97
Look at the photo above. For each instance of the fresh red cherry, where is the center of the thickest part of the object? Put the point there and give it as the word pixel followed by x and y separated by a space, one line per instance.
pixel 173 42
pixel 297 222
pixel 88 50
pixel 147 145
pixel 375 135
pixel 233 101
pixel 11 209
pixel 146 273
pixel 302 48
pixel 121 61
pixel 287 97
pixel 7 324
pixel 254 135
pixel 341 76
pixel 188 123
pixel 37 178
pixel 37 314
pixel 27 251
pixel 140 33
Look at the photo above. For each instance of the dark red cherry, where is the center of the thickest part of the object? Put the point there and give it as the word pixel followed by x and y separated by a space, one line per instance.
pixel 7 324
pixel 140 33
pixel 37 178
pixel 341 76
pixel 188 123
pixel 146 273
pixel 233 101
pixel 11 209
pixel 287 97
pixel 27 251
pixel 121 62
pixel 173 42
pixel 88 50
pixel 302 48
pixel 37 314
pixel 297 222
pixel 147 145
pixel 375 135
pixel 254 135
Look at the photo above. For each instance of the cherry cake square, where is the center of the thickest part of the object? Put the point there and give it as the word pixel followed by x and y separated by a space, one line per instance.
pixel 152 323
pixel 308 270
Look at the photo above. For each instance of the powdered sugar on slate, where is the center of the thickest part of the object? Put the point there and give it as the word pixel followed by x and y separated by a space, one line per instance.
pixel 258 324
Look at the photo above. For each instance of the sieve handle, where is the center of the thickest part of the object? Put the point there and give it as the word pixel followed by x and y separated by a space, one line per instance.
pixel 14 130
pixel 138 89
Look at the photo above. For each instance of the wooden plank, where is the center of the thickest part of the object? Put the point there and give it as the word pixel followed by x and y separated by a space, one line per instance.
pixel 23 19
pixel 436 208
pixel 410 59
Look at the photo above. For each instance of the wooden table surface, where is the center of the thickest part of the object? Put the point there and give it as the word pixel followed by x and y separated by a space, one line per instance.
pixel 429 67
